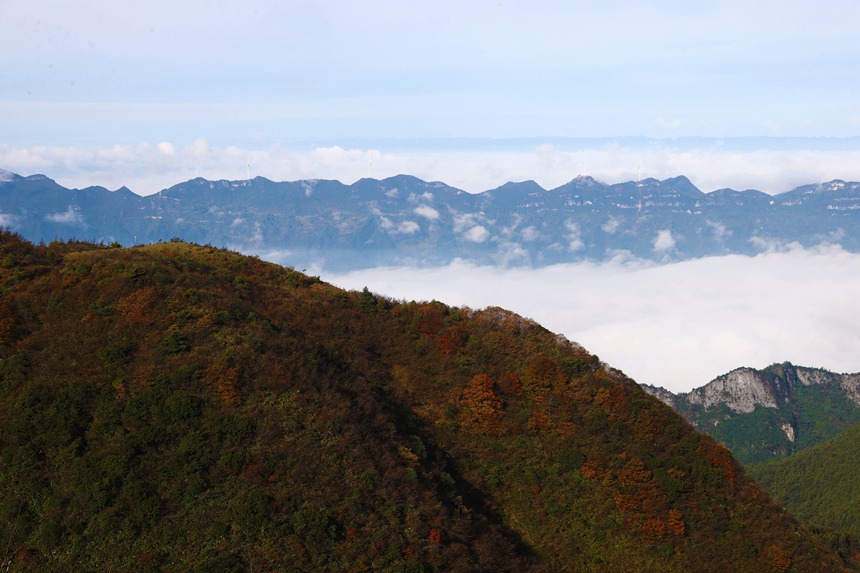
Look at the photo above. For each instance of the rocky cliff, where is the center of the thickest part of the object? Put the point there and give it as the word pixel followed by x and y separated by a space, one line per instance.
pixel 761 414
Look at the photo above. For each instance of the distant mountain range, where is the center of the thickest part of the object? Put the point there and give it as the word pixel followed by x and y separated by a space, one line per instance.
pixel 404 220
pixel 770 413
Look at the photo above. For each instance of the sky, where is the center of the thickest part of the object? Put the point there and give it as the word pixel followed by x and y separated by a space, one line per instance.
pixel 145 94
pixel 740 94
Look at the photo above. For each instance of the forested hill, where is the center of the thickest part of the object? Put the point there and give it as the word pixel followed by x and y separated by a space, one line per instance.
pixel 184 408
pixel 404 220
pixel 820 484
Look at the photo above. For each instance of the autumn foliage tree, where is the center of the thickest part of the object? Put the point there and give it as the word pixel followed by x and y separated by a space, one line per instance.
pixel 224 378
pixel 482 406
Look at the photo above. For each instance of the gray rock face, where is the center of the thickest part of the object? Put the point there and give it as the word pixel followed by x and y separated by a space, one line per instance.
pixel 848 383
pixel 661 394
pixel 740 390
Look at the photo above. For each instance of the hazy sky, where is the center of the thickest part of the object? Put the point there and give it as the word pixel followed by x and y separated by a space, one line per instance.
pixel 741 94
pixel 147 93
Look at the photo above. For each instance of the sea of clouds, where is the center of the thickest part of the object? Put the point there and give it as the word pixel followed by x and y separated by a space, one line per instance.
pixel 675 325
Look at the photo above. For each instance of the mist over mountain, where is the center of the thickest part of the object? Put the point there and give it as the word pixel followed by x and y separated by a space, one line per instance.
pixel 403 220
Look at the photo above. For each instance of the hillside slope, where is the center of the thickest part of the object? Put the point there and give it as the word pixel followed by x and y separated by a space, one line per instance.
pixel 773 412
pixel 185 408
pixel 821 484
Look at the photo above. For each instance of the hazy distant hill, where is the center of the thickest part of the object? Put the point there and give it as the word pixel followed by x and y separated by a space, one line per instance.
pixel 404 220
pixel 184 408
pixel 762 414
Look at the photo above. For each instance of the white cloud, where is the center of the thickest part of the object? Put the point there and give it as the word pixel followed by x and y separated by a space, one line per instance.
pixel 477 234
pixel 427 212
pixel 408 227
pixel 771 245
pixel 508 231
pixel 573 236
pixel 530 234
pixel 7 220
pixel 338 155
pixel 611 225
pixel 69 216
pixel 511 253
pixel 199 150
pixel 719 230
pixel 684 323
pixel 833 237
pixel 166 147
pixel 257 236
pixel 664 241
pixel 464 220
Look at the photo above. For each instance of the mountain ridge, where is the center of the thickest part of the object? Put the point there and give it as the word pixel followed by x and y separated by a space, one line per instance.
pixel 404 220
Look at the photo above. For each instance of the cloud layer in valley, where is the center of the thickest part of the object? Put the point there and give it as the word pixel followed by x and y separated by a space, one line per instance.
pixel 678 325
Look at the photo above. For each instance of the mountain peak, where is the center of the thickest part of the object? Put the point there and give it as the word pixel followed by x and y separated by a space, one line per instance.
pixel 834 185
pixel 585 180
pixel 682 183
pixel 514 190
pixel 528 183
pixel 403 179
pixel 582 182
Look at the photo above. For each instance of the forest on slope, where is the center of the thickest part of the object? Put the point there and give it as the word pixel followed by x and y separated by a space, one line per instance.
pixel 821 484
pixel 183 407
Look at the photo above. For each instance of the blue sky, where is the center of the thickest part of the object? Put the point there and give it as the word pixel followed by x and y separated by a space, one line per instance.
pixel 349 89
pixel 295 71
